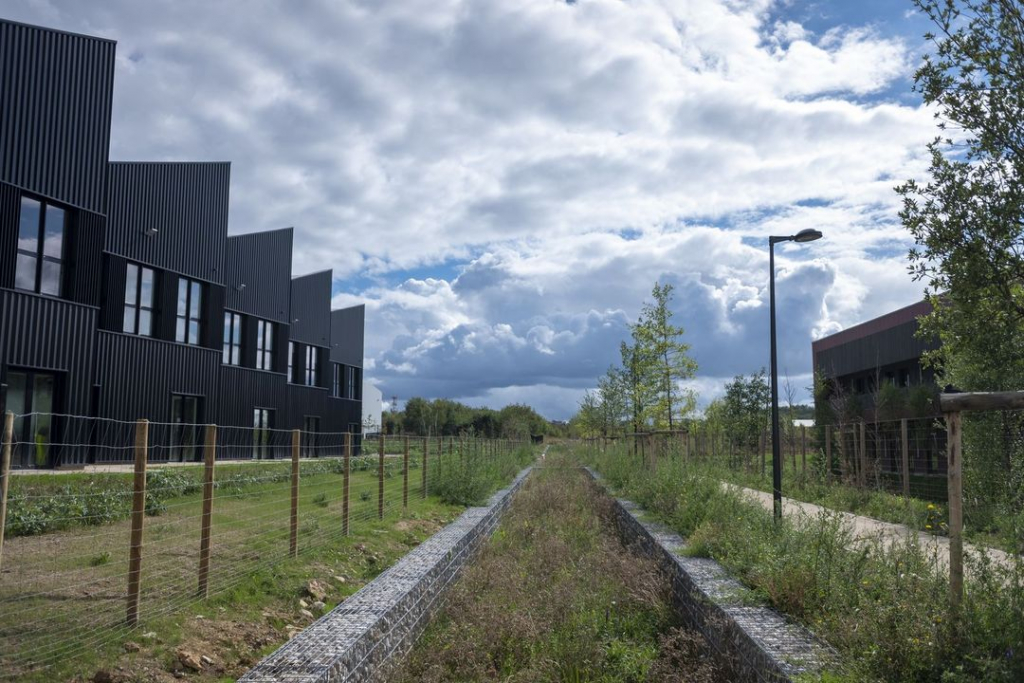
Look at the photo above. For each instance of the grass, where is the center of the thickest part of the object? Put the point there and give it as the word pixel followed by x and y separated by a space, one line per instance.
pixel 62 594
pixel 555 597
pixel 885 608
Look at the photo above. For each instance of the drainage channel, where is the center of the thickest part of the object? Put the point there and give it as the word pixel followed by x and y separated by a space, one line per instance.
pixel 364 636
pixel 549 591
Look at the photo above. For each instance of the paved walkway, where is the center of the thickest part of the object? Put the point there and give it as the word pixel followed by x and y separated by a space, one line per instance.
pixel 867 529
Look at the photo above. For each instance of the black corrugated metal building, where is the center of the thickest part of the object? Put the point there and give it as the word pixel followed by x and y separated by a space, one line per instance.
pixel 886 349
pixel 122 295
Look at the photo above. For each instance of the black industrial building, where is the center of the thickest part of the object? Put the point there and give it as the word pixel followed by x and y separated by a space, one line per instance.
pixel 886 349
pixel 123 297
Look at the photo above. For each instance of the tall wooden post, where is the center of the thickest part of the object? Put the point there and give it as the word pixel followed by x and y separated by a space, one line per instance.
pixel 954 459
pixel 405 474
pixel 209 455
pixel 905 457
pixel 423 465
pixel 803 448
pixel 828 452
pixel 138 518
pixel 293 545
pixel 380 479
pixel 863 454
pixel 5 475
pixel 344 492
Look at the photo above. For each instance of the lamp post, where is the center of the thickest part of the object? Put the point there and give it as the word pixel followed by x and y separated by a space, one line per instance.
pixel 808 235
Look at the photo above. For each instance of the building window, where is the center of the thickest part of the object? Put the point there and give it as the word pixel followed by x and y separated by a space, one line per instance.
pixel 232 338
pixel 337 379
pixel 190 302
pixel 312 356
pixel 310 428
pixel 353 388
pixel 291 363
pixel 41 228
pixel 262 423
pixel 138 300
pixel 264 345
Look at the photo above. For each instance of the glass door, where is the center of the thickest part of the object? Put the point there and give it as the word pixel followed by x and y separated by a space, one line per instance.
pixel 261 425
pixel 184 428
pixel 310 427
pixel 31 396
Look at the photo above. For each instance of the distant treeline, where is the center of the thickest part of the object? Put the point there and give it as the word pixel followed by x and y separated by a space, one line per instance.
pixel 444 417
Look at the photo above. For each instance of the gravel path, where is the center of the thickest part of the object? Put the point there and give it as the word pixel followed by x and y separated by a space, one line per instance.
pixel 867 529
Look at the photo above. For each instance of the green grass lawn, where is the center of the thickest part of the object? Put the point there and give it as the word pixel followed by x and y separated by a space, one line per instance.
pixel 62 594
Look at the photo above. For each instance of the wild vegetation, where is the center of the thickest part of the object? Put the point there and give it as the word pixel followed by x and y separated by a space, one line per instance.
pixel 555 597
pixel 884 607
pixel 444 417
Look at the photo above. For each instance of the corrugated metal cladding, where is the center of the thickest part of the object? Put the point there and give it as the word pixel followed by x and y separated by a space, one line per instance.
pixel 40 333
pixel 304 401
pixel 242 389
pixel 138 375
pixel 258 274
pixel 344 413
pixel 56 90
pixel 347 335
pixel 170 215
pixel 311 309
pixel 84 282
pixel 895 345
pixel 10 198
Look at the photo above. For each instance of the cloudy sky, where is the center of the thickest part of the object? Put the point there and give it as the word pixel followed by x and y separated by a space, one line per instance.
pixel 502 181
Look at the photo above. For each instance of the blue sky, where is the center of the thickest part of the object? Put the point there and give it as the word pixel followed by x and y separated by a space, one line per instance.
pixel 502 182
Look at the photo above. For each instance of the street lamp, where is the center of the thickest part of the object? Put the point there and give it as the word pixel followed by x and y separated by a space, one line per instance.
pixel 808 235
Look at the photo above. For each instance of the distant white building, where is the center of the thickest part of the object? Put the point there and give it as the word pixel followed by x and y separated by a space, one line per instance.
pixel 373 408
pixel 798 423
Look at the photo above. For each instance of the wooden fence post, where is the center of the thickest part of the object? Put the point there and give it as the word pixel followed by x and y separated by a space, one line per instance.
pixel 5 475
pixel 423 465
pixel 138 518
pixel 405 474
pixel 905 457
pixel 344 492
pixel 863 454
pixel 828 453
pixel 803 448
pixel 380 479
pixel 293 545
pixel 954 459
pixel 209 455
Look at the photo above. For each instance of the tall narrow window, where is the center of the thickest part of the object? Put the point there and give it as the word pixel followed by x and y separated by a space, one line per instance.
pixel 312 356
pixel 264 345
pixel 190 301
pixel 138 300
pixel 291 363
pixel 262 423
pixel 353 388
pixel 336 379
pixel 232 338
pixel 41 228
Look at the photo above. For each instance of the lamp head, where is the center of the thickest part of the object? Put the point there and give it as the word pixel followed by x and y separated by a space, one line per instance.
pixel 808 235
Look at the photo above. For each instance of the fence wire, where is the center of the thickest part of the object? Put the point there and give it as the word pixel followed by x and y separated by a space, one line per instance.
pixel 66 566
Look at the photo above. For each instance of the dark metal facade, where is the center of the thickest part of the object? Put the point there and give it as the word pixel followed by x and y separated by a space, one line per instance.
pixel 258 274
pixel 56 90
pixel 171 215
pixel 347 335
pixel 311 309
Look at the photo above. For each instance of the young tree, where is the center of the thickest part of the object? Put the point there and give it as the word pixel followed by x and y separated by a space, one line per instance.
pixel 968 220
pixel 639 389
pixel 612 401
pixel 668 356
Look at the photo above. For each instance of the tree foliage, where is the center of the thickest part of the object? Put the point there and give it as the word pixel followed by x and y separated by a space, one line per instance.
pixel 444 417
pixel 645 391
pixel 968 219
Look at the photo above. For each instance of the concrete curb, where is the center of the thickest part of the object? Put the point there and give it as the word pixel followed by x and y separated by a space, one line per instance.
pixel 363 637
pixel 760 643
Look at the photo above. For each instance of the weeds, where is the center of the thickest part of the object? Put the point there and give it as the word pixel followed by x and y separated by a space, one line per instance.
pixel 884 607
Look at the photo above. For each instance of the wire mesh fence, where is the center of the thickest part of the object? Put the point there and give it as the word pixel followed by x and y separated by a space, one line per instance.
pixel 171 514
